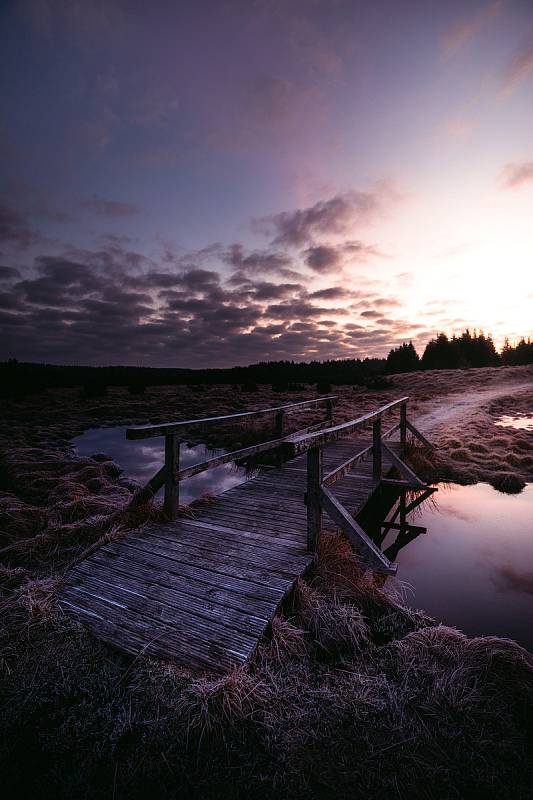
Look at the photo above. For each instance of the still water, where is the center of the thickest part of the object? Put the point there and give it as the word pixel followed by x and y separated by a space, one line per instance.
pixel 141 459
pixel 473 569
pixel 522 422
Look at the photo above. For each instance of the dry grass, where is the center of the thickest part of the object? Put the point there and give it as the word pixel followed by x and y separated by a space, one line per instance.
pixel 350 693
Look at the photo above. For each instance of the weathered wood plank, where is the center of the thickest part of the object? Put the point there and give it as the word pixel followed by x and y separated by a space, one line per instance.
pixel 149 431
pixel 201 590
pixel 300 444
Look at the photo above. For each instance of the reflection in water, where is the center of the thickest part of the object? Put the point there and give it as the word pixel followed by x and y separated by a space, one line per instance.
pixel 473 569
pixel 523 422
pixel 141 459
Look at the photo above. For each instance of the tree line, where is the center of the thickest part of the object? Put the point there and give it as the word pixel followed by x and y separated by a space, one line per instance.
pixel 458 352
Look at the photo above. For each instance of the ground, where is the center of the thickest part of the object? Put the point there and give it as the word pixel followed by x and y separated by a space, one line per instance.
pixel 351 693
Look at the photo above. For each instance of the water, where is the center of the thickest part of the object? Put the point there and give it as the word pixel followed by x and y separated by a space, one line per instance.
pixel 521 421
pixel 141 459
pixel 473 569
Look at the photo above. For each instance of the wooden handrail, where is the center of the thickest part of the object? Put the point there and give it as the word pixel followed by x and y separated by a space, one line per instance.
pixel 299 444
pixel 170 474
pixel 166 428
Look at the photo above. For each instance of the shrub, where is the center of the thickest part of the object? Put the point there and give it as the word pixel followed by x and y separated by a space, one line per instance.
pixel 249 387
pixel 323 387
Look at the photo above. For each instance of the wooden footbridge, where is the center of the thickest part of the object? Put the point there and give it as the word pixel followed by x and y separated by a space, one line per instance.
pixel 202 588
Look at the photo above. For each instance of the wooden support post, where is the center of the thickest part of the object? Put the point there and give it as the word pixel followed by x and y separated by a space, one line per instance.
pixel 403 515
pixel 172 465
pixel 329 410
pixel 279 420
pixel 376 449
pixel 314 509
pixel 403 428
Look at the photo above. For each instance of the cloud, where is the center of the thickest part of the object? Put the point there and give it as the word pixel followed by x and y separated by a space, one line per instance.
pixel 333 217
pixel 519 68
pixel 8 274
pixel 14 228
pixel 515 175
pixel 112 209
pixel 257 261
pixel 509 578
pixel 323 258
pixel 458 36
pixel 331 293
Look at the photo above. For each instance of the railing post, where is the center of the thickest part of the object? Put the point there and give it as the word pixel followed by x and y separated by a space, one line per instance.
pixel 329 411
pixel 403 428
pixel 376 449
pixel 172 465
pixel 279 421
pixel 314 509
pixel 403 514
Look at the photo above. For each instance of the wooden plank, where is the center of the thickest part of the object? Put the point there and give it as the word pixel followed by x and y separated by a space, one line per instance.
pixel 314 510
pixel 124 556
pixel 406 471
pixel 172 461
pixel 149 431
pixel 300 444
pixel 202 590
pixel 210 561
pixel 206 651
pixel 420 435
pixel 281 563
pixel 124 569
pixel 199 530
pixel 356 535
pixel 240 619
pixel 161 612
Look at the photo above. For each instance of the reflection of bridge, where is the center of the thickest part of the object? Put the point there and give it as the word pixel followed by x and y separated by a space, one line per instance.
pixel 201 588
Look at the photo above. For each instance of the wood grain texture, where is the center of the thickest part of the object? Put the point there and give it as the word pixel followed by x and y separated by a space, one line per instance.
pixel 201 591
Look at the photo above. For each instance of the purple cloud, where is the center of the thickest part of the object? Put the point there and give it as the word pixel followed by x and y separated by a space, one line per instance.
pixel 332 217
pixel 515 175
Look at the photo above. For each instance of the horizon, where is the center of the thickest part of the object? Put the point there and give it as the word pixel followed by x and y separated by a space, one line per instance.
pixel 216 186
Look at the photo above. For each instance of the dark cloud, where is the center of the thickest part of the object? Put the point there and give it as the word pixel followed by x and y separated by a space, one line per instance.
pixel 331 293
pixel 8 274
pixel 258 261
pixel 508 578
pixel 332 217
pixel 113 209
pixel 515 175
pixel 323 258
pixel 329 258
pixel 14 228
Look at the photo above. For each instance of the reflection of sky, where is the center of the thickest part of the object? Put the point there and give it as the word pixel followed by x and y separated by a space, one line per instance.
pixel 474 567
pixel 522 422
pixel 140 460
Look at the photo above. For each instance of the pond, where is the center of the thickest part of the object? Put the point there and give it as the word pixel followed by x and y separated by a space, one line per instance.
pixel 520 421
pixel 473 569
pixel 141 459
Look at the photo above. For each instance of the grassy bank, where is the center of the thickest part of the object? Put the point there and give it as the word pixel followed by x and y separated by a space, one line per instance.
pixel 351 693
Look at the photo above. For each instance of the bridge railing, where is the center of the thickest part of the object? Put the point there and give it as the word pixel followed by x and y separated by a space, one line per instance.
pixel 170 473
pixel 318 496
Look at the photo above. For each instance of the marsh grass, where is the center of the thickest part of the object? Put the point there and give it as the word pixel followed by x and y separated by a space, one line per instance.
pixel 349 693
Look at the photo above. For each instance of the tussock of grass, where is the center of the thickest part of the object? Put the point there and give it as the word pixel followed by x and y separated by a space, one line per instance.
pixel 351 692
pixel 213 706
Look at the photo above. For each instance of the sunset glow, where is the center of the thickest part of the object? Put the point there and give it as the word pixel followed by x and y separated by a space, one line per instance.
pixel 217 183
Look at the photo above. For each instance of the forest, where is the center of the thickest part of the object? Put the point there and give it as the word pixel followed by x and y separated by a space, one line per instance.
pixel 469 350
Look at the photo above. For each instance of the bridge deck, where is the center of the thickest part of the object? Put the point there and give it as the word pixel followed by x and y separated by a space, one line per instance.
pixel 201 591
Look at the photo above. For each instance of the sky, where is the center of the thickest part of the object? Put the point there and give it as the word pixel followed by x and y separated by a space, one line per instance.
pixel 221 182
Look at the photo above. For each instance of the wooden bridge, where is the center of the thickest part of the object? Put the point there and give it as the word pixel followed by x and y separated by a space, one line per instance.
pixel 202 588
